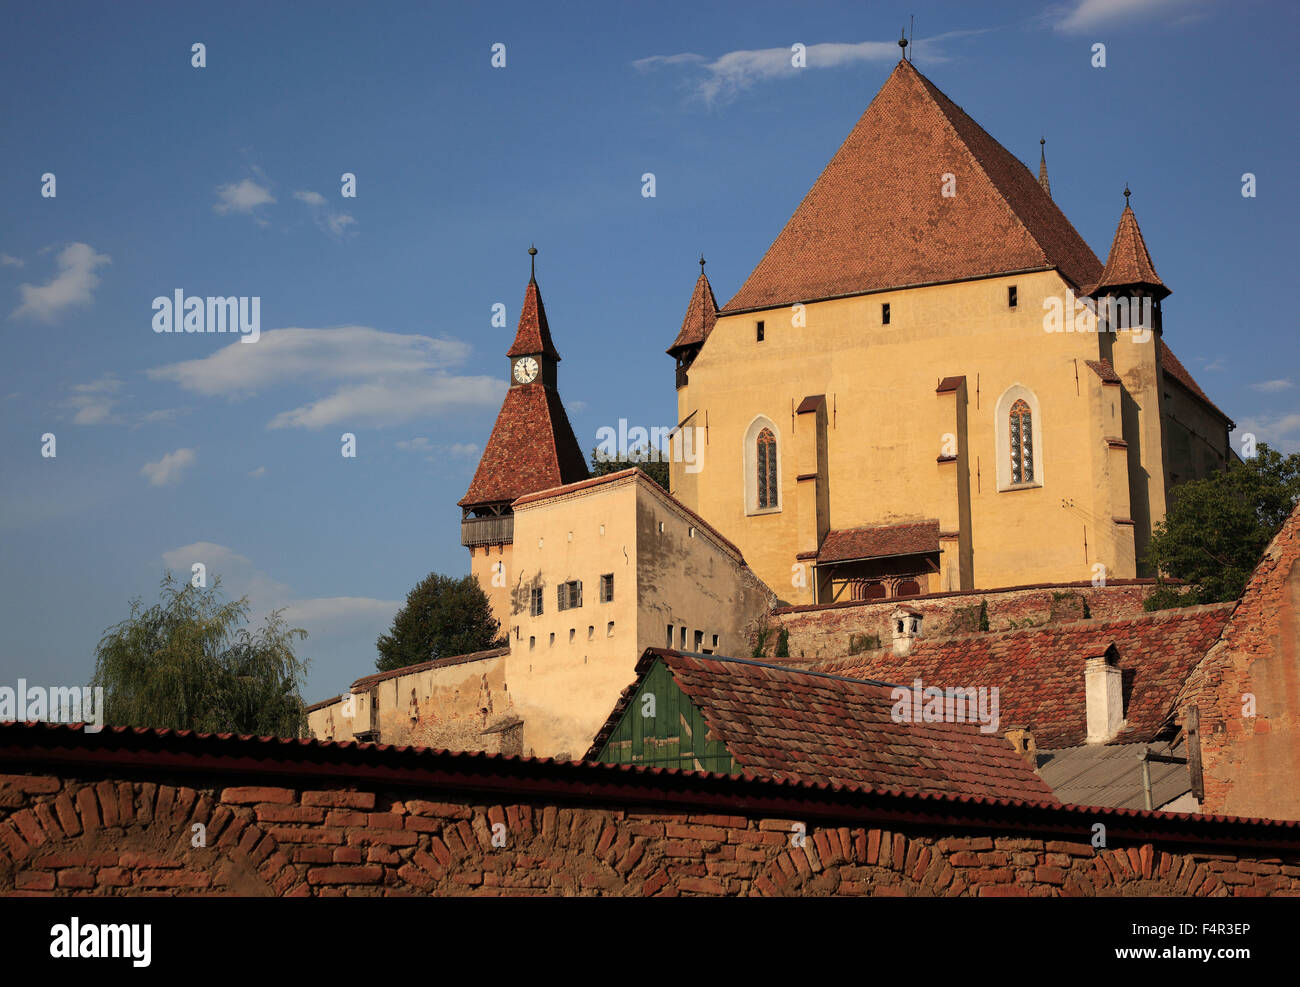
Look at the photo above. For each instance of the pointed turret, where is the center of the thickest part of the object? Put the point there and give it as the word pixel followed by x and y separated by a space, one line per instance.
pixel 701 314
pixel 1042 166
pixel 1129 262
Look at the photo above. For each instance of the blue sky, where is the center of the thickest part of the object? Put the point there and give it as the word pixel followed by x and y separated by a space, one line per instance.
pixel 376 310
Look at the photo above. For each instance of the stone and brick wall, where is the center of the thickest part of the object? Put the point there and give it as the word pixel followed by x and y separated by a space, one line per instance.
pixel 304 819
pixel 832 630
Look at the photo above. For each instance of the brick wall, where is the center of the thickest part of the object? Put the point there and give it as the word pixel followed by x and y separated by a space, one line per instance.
pixel 103 832
pixel 827 631
pixel 1247 691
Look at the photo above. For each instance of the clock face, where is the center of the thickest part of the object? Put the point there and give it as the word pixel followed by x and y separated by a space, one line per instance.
pixel 526 370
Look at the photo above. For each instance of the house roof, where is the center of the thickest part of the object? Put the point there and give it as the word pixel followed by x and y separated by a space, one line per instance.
pixel 1129 261
pixel 1104 369
pixel 787 724
pixel 532 447
pixel 533 335
pixel 879 541
pixel 1111 774
pixel 1039 672
pixel 701 314
pixel 877 218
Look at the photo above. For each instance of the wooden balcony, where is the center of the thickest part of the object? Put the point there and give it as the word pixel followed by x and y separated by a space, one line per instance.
pixel 498 530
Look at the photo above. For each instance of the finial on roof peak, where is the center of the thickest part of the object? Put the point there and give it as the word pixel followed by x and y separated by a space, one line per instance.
pixel 1127 193
pixel 532 263
pixel 701 265
pixel 1042 166
pixel 902 43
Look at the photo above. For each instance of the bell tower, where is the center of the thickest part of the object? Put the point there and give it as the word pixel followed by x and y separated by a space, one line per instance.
pixel 532 448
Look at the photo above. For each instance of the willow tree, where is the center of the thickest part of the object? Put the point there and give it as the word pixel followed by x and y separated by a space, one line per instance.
pixel 190 662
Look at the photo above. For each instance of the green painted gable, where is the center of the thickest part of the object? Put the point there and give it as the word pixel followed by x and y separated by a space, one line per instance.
pixel 675 737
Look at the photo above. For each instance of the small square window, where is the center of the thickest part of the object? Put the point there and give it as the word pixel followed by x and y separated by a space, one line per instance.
pixel 1011 296
pixel 569 595
pixel 884 314
pixel 535 602
pixel 607 588
pixel 699 640
pixel 759 332
pixel 715 640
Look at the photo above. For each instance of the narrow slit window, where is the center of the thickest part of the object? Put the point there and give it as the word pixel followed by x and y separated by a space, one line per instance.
pixel 1022 443
pixel 884 314
pixel 766 460
pixel 759 331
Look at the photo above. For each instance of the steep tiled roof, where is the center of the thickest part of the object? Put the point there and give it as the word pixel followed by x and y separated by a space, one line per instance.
pixel 1129 262
pixel 1174 368
pixel 701 314
pixel 1039 672
pixel 876 218
pixel 532 447
pixel 790 725
pixel 533 335
pixel 879 541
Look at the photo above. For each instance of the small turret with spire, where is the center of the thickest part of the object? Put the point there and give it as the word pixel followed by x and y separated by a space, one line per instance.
pixel 1042 166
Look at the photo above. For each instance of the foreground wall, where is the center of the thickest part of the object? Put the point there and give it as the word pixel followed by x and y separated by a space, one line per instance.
pixel 117 815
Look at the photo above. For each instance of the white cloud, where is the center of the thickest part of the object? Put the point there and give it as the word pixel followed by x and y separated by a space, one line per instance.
pixel 94 403
pixel 7 260
pixel 334 223
pixel 383 378
pixel 168 470
pixel 466 449
pixel 260 471
pixel 1271 386
pixel 331 610
pixel 722 78
pixel 73 285
pixel 1281 432
pixel 242 197
pixel 1085 15
pixel 338 223
pixel 419 443
pixel 309 197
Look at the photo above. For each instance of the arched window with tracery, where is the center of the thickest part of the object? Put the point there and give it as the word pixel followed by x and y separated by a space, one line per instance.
pixel 1022 443
pixel 766 463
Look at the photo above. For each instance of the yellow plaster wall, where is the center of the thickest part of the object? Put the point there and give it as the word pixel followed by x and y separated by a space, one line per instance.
pixel 887 426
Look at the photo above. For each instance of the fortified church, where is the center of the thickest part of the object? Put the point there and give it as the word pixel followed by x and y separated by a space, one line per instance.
pixel 930 395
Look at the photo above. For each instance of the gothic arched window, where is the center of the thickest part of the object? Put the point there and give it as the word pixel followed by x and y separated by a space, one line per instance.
pixel 1022 443
pixel 765 459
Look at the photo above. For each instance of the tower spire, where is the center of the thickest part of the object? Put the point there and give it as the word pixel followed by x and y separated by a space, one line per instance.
pixel 1042 166
pixel 532 264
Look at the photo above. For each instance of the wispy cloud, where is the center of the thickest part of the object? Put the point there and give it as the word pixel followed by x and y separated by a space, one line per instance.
pixel 334 223
pixel 8 260
pixel 168 470
pixel 1272 386
pixel 74 285
pixel 244 196
pixel 719 79
pixel 260 471
pixel 380 378
pixel 1088 15
pixel 94 403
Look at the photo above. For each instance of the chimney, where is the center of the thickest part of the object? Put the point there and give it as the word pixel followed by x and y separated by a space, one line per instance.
pixel 1104 694
pixel 1022 739
pixel 906 625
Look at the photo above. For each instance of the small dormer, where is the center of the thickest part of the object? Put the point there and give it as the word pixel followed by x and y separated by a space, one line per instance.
pixel 905 625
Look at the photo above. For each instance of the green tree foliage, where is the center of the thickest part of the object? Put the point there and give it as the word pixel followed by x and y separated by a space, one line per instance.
pixel 783 644
pixel 443 616
pixel 1215 530
pixel 984 615
pixel 188 663
pixel 640 457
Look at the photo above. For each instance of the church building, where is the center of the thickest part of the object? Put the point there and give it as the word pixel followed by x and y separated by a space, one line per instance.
pixel 930 383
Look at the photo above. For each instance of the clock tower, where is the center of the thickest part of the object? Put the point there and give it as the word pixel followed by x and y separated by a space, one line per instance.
pixel 532 448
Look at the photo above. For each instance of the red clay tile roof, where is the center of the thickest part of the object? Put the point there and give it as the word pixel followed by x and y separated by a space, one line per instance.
pixel 879 541
pixel 811 403
pixel 949 384
pixel 790 725
pixel 876 218
pixel 701 314
pixel 1039 672
pixel 1129 261
pixel 532 447
pixel 533 335
pixel 1174 368
pixel 1104 370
